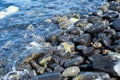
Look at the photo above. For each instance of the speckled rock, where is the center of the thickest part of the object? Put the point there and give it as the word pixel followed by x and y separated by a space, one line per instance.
pixel 97 45
pixel 61 19
pixel 71 71
pixel 68 47
pixel 92 76
pixel 83 24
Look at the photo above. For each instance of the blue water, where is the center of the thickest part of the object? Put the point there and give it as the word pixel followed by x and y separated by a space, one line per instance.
pixel 33 12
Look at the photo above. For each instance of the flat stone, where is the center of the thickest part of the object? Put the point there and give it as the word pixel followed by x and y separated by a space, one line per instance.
pixel 97 27
pixel 74 62
pixel 51 76
pixel 109 63
pixel 92 76
pixel 84 39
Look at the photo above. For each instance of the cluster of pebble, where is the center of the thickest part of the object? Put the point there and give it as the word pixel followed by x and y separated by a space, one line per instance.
pixel 85 47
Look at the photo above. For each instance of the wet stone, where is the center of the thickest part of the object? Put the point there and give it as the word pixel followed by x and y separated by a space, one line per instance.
pixel 58 69
pixel 68 47
pixel 45 59
pixel 106 41
pixel 109 63
pixel 104 7
pixel 84 39
pixel 51 76
pixel 97 45
pixel 75 31
pixel 71 71
pixel 109 31
pixel 64 25
pixel 74 62
pixel 83 24
pixel 117 48
pixel 32 73
pixel 97 27
pixel 56 58
pixel 94 19
pixel 80 47
pixel 48 70
pixel 115 6
pixel 61 19
pixel 116 25
pixel 110 16
pixel 116 36
pixel 88 51
pixel 117 42
pixel 92 76
pixel 63 38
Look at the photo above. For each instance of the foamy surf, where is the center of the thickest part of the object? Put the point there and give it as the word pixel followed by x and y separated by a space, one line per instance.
pixel 8 11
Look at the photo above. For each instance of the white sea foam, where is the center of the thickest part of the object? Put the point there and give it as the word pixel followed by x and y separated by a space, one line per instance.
pixel 117 68
pixel 8 11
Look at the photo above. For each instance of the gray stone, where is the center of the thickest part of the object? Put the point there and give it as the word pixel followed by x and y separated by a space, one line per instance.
pixel 109 63
pixel 92 76
pixel 51 76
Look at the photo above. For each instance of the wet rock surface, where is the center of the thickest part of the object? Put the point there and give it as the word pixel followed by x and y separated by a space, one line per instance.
pixel 82 48
pixel 92 76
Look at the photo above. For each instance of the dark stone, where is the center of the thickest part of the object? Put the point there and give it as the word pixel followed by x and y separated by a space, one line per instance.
pixel 82 24
pixel 63 39
pixel 51 76
pixel 48 70
pixel 74 62
pixel 116 36
pixel 84 39
pixel 92 76
pixel 109 63
pixel 97 27
pixel 94 19
pixel 88 51
pixel 117 41
pixel 115 6
pixel 117 48
pixel 75 31
pixel 106 41
pixel 116 25
pixel 109 31
pixel 110 16
pixel 56 58
pixel 53 65
pixel 58 69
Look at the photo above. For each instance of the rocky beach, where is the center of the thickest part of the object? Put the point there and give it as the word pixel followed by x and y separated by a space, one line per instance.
pixel 66 46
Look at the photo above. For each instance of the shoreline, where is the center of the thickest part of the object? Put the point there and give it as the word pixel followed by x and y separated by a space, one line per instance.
pixel 84 47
